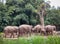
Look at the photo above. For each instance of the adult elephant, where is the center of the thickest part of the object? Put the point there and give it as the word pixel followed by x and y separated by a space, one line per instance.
pixel 10 30
pixel 50 29
pixel 38 29
pixel 25 29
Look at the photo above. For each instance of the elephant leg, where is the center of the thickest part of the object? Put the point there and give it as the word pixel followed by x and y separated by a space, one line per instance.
pixel 5 34
pixel 10 35
pixel 18 34
pixel 41 33
pixel 45 33
pixel 30 33
pixel 26 33
pixel 13 35
pixel 48 33
pixel 52 33
pixel 37 32
pixel 23 34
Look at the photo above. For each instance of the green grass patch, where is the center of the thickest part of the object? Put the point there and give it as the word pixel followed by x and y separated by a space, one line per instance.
pixel 33 40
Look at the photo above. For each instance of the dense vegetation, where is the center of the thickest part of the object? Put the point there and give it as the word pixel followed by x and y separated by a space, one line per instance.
pixel 32 40
pixel 17 12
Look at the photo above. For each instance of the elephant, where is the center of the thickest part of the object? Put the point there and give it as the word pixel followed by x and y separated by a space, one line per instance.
pixel 25 29
pixel 10 30
pixel 38 29
pixel 50 29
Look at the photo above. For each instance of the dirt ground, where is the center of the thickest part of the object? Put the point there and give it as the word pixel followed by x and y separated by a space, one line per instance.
pixel 27 35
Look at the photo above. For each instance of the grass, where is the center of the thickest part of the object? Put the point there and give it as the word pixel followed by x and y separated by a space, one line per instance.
pixel 1 39
pixel 33 40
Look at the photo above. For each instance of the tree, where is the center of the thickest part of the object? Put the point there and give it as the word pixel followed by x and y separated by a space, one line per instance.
pixel 52 17
pixel 33 12
pixel 41 11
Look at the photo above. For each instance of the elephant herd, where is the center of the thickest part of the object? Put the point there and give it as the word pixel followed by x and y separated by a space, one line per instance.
pixel 28 29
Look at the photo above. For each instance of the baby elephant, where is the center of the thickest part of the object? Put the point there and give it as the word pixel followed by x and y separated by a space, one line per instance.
pixel 10 30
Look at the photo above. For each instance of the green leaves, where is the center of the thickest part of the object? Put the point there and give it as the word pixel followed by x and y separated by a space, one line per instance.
pixel 52 17
pixel 29 6
pixel 21 18
pixel 17 12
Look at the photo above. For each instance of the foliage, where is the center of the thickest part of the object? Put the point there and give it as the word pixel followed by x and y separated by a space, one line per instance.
pixel 17 12
pixel 52 17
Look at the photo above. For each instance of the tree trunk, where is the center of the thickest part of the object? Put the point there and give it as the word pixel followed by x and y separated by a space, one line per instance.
pixel 41 15
pixel 42 19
